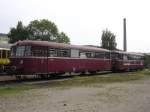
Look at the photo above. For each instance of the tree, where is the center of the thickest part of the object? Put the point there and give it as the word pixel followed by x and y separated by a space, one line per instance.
pixel 108 40
pixel 147 60
pixel 43 30
pixel 63 38
pixel 37 30
pixel 18 33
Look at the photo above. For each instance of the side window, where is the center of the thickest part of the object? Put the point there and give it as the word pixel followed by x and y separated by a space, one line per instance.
pixel 63 53
pixel 39 51
pixel 130 57
pixel 74 53
pixel 113 55
pixel 52 52
pixel 83 55
pixel 107 55
pixel 125 57
pixel 100 55
pixel 141 58
pixel 120 56
pixel 86 54
pixel 89 54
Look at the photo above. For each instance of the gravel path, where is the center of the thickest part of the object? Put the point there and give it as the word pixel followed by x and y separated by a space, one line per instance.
pixel 133 96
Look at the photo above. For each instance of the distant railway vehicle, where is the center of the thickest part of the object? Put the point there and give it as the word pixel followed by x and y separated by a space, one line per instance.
pixel 42 57
pixel 126 61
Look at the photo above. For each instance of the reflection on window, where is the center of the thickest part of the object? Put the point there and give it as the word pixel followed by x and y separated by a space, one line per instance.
pixel 20 50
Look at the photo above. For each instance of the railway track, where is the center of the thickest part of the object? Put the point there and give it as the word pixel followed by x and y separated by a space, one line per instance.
pixel 11 80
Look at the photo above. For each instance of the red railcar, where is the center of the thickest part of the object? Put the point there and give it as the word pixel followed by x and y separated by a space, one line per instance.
pixel 42 57
pixel 126 61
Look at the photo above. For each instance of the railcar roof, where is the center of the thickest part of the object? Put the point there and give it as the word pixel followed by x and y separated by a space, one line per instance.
pixel 59 45
pixel 131 53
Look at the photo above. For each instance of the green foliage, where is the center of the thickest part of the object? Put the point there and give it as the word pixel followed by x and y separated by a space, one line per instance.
pixel 43 30
pixel 147 60
pixel 15 89
pixel 63 38
pixel 38 30
pixel 18 33
pixel 108 40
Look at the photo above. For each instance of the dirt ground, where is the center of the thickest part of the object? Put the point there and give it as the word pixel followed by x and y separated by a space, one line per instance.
pixel 132 96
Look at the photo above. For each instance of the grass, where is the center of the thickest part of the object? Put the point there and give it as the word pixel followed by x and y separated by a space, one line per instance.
pixel 79 81
pixel 15 89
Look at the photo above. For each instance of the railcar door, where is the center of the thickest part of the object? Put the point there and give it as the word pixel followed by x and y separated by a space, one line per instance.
pixel 40 55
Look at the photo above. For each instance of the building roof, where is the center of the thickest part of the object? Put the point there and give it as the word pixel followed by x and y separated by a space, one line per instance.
pixel 3 35
pixel 4 45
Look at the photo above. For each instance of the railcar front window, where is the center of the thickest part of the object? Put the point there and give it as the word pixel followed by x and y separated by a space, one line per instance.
pixel 28 51
pixel 20 50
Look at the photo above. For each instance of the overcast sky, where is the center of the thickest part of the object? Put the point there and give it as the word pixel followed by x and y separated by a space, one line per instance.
pixel 84 20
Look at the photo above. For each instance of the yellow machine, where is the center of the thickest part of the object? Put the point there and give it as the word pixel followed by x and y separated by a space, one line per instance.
pixel 4 56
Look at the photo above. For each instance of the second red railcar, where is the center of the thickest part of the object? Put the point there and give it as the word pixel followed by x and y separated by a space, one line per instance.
pixel 126 61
